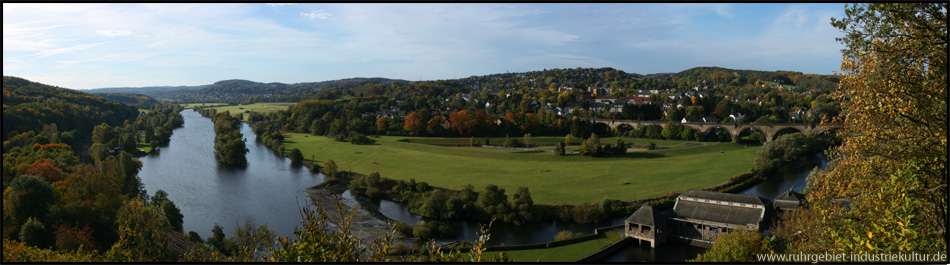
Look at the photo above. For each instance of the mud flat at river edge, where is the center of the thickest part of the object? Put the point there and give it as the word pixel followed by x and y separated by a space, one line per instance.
pixel 368 223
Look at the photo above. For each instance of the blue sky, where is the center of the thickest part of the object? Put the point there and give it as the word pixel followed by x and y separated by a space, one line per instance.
pixel 86 46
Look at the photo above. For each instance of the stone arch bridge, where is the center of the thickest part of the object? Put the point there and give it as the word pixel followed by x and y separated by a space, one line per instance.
pixel 769 130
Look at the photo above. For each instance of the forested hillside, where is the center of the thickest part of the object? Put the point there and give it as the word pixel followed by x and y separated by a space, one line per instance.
pixel 30 106
pixel 54 200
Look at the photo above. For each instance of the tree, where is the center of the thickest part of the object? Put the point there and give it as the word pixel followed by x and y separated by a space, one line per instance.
pixel 26 197
pixel 527 140
pixel 891 165
pixel 413 123
pixel 740 245
pixel 434 205
pixel 434 126
pixel 329 168
pixel 672 130
pixel 382 124
pixel 173 214
pixel 70 238
pixel 34 233
pixel 250 242
pixel 296 157
pixel 46 169
pixel 493 201
pixel 217 239
pixel 143 233
pixel 522 204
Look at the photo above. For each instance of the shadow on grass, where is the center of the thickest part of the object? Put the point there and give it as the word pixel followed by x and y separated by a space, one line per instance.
pixel 642 155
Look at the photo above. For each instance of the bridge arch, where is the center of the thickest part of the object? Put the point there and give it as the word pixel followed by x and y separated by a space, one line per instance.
pixel 779 131
pixel 623 128
pixel 751 132
pixel 720 129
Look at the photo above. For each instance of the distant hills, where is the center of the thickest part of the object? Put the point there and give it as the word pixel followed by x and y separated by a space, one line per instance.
pixel 238 88
pixel 575 77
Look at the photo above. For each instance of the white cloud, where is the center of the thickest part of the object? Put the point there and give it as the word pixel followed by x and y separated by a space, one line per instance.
pixel 316 14
pixel 281 4
pixel 70 49
pixel 113 32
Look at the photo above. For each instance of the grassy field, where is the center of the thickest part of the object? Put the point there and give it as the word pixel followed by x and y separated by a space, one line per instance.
pixel 144 147
pixel 566 253
pixel 266 107
pixel 675 167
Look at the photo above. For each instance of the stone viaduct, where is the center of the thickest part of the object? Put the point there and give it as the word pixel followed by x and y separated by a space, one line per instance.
pixel 769 130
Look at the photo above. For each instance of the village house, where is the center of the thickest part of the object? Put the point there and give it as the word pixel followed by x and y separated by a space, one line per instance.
pixel 690 120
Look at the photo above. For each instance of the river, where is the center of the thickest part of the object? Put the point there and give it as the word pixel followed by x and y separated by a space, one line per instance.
pixel 207 192
pixel 268 191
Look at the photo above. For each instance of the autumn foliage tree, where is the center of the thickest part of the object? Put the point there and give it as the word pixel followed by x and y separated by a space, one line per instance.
pixel 891 167
pixel 414 123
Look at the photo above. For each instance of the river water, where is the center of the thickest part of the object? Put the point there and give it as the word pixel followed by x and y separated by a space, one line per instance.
pixel 268 191
pixel 207 192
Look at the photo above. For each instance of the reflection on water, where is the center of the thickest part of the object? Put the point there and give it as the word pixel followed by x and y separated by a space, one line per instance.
pixel 266 191
pixel 793 176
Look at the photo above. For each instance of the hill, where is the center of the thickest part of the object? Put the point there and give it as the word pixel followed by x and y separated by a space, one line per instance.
pixel 29 106
pixel 243 91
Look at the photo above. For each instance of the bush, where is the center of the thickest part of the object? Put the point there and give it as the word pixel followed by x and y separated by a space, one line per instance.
pixel 360 139
pixel 651 146
pixel 559 149
pixel 566 234
pixel 588 213
pixel 511 142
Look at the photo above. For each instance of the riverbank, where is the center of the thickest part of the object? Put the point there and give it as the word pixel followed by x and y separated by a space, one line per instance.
pixel 367 223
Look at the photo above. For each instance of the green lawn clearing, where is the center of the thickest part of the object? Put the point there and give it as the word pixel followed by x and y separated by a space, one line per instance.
pixel 264 108
pixel 566 253
pixel 675 167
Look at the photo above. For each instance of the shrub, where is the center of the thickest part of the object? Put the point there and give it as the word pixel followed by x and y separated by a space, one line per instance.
pixel 566 234
pixel 511 142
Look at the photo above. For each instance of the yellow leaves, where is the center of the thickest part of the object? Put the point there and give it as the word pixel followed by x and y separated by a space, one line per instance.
pixel 870 235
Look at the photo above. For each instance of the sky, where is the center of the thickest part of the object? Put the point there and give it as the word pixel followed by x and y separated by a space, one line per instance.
pixel 85 46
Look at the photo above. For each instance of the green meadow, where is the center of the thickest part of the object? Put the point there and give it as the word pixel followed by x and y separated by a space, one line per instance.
pixel 264 108
pixel 675 166
pixel 569 252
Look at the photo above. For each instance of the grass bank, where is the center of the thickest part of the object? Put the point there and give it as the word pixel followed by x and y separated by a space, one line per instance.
pixel 676 167
pixel 565 253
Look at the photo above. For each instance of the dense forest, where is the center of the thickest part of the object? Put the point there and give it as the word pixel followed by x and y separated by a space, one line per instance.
pixel 70 176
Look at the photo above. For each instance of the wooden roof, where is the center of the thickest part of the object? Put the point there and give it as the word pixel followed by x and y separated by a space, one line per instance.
pixel 720 207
